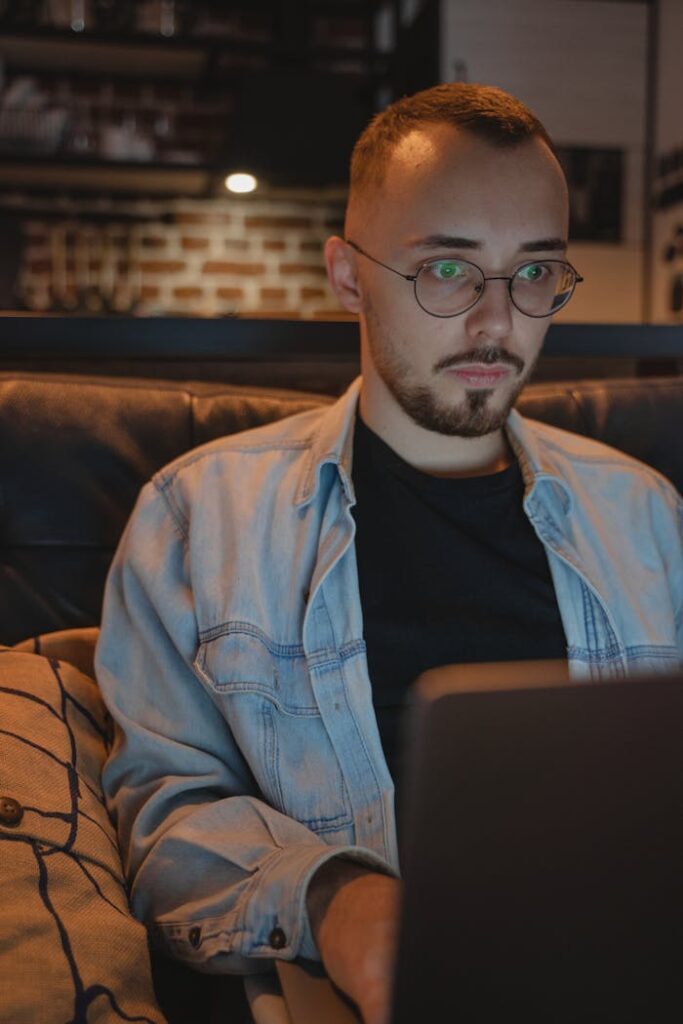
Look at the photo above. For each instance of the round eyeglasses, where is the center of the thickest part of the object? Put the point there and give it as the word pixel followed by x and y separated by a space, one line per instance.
pixel 447 287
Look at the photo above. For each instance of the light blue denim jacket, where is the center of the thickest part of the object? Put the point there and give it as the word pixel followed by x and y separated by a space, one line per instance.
pixel 232 660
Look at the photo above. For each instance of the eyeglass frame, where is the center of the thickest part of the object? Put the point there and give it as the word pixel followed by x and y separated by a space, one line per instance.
pixel 510 278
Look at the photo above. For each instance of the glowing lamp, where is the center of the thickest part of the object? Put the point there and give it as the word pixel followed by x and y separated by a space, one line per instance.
pixel 240 182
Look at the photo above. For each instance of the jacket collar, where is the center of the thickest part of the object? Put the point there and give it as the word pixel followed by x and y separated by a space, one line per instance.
pixel 332 442
pixel 541 468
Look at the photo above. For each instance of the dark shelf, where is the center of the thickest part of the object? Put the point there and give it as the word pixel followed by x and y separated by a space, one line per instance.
pixel 66 160
pixel 154 39
pixel 52 172
pixel 365 9
pixel 60 52
pixel 69 53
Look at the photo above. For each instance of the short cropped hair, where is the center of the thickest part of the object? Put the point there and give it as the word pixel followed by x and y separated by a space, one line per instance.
pixel 485 111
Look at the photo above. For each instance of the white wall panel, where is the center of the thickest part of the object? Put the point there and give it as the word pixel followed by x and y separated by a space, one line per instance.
pixel 612 289
pixel 581 67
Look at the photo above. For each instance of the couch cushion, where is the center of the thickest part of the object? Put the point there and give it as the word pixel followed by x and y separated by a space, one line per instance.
pixel 69 948
pixel 74 452
pixel 642 416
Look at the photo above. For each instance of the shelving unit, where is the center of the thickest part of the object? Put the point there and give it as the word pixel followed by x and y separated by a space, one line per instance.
pixel 218 75
pixel 109 132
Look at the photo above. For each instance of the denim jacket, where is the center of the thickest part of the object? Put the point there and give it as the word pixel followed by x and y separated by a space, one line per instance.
pixel 232 660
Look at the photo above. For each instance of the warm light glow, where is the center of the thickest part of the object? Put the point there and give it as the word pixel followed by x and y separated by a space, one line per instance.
pixel 241 182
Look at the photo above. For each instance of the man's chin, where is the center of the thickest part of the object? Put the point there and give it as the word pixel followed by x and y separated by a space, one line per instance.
pixel 480 412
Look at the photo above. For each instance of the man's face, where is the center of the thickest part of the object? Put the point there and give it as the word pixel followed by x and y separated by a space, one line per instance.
pixel 448 194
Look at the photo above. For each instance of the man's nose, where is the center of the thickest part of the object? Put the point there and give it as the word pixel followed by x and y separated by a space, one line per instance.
pixel 491 317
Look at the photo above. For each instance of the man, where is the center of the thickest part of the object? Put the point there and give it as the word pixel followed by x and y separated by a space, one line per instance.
pixel 261 625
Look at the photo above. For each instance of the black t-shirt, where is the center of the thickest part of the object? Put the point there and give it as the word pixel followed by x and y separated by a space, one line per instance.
pixel 450 571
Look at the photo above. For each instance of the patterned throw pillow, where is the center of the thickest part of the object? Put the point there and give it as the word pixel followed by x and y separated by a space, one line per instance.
pixel 70 950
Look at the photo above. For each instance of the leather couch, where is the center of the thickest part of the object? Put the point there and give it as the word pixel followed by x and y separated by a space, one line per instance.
pixel 74 452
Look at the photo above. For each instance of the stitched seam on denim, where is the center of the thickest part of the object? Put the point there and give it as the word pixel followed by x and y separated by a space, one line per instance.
pixel 592 608
pixel 292 651
pixel 588 616
pixel 272 751
pixel 322 660
pixel 649 650
pixel 611 636
pixel 306 486
pixel 605 654
pixel 352 649
pixel 184 926
pixel 229 688
pixel 179 520
pixel 238 628
pixel 322 825
pixel 547 525
pixel 265 446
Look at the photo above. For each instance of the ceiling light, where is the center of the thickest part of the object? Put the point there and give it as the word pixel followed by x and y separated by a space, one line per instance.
pixel 240 182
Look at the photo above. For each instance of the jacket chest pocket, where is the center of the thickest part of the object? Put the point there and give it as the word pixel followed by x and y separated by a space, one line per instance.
pixel 264 692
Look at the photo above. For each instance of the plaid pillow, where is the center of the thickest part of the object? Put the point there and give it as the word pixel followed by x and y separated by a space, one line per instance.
pixel 70 950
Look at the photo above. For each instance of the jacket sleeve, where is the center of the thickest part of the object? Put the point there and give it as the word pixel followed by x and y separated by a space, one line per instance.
pixel 218 875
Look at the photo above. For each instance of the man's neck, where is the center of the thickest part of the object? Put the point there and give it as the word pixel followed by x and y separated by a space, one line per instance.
pixel 438 454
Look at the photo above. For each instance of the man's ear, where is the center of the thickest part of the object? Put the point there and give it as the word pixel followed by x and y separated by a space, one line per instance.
pixel 340 260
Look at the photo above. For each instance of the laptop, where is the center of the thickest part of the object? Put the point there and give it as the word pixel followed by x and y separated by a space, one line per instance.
pixel 541 841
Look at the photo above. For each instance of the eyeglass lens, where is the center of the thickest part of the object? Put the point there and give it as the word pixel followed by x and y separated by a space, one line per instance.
pixel 448 287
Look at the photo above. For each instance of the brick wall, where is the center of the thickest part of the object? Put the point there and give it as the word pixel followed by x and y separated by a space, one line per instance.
pixel 249 256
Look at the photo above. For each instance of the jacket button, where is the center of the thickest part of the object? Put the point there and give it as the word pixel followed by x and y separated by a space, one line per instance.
pixel 277 938
pixel 11 811
pixel 195 937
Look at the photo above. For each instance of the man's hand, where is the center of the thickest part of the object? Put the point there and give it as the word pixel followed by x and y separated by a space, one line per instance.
pixel 354 917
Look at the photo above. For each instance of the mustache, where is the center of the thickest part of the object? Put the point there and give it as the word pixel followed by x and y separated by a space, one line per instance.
pixel 485 354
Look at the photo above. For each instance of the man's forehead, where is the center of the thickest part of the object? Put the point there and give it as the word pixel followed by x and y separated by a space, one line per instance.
pixel 421 147
pixel 442 177
pixel 443 149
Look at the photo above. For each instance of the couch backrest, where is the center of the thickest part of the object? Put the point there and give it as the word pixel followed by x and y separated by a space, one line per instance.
pixel 74 452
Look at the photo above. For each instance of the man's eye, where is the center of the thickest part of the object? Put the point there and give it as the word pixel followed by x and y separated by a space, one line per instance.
pixel 533 272
pixel 446 270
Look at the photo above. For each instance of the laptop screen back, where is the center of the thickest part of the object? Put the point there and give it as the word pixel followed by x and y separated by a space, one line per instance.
pixel 542 848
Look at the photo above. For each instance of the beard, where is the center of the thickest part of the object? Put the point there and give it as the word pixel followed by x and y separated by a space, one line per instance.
pixel 474 416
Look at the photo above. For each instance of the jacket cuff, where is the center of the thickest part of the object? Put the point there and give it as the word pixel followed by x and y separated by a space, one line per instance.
pixel 272 921
pixel 276 921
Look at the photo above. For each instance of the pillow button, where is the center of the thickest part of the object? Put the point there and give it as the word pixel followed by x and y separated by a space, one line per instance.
pixel 11 811
pixel 277 939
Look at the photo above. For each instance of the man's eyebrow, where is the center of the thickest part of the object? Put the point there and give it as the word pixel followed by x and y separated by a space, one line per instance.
pixel 544 245
pixel 445 242
pixel 460 242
